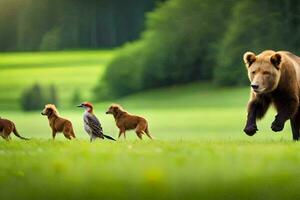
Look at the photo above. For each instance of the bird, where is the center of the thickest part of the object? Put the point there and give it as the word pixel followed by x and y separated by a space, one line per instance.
pixel 91 123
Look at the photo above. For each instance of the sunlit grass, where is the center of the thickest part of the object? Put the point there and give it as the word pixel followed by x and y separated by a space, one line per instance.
pixel 199 151
pixel 68 71
pixel 149 170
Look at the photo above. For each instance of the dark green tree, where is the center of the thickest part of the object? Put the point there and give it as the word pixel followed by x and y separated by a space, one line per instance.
pixel 177 47
pixel 33 98
pixel 271 26
pixel 61 24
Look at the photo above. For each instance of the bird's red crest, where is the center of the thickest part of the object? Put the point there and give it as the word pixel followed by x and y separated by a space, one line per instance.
pixel 88 104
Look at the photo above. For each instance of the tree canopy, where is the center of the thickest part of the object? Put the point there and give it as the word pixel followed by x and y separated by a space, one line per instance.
pixel 202 40
pixel 65 24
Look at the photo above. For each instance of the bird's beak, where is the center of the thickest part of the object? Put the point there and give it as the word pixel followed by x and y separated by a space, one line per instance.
pixel 80 106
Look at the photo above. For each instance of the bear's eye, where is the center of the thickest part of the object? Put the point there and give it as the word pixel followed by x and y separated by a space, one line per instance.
pixel 266 73
pixel 253 72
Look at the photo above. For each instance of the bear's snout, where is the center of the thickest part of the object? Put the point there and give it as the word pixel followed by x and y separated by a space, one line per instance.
pixel 255 86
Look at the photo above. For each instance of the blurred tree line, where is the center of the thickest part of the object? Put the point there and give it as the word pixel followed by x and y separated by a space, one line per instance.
pixel 35 97
pixel 201 40
pixel 65 24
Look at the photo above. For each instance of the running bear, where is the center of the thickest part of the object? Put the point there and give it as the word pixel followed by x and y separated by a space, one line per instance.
pixel 275 79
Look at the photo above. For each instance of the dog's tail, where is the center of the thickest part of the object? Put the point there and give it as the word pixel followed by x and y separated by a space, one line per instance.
pixel 108 137
pixel 18 135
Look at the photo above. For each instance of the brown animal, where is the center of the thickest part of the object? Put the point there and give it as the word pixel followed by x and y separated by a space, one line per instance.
pixel 57 123
pixel 275 79
pixel 7 127
pixel 126 121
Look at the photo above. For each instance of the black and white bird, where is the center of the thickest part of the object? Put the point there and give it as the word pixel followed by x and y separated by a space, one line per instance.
pixel 91 123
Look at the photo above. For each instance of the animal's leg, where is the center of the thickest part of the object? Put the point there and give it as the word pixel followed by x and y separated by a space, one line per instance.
pixel 139 133
pixel 53 134
pixel 6 133
pixel 67 132
pixel 72 133
pixel 295 129
pixel 67 135
pixel 295 126
pixel 287 109
pixel 92 138
pixel 140 129
pixel 2 133
pixel 148 134
pixel 256 110
pixel 5 137
pixel 122 131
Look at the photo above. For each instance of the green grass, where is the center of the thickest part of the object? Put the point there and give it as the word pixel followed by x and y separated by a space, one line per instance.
pixel 198 169
pixel 68 71
pixel 200 151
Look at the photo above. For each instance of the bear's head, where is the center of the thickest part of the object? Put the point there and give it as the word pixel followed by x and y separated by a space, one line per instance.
pixel 263 70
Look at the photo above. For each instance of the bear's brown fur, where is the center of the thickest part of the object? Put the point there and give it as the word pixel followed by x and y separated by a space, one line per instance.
pixel 275 79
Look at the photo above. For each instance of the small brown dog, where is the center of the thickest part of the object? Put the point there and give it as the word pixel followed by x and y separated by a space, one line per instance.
pixel 7 127
pixel 57 123
pixel 126 121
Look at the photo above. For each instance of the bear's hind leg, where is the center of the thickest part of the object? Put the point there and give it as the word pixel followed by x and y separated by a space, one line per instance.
pixel 287 108
pixel 295 125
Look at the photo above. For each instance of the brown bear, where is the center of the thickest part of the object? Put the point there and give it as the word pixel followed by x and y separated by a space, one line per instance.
pixel 275 79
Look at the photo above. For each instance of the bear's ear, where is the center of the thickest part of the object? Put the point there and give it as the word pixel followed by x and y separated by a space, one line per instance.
pixel 276 60
pixel 249 58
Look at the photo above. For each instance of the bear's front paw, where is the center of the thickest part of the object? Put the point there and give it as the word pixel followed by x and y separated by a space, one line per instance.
pixel 250 129
pixel 277 126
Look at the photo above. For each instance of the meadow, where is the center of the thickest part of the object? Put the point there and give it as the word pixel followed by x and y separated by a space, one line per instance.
pixel 68 71
pixel 199 151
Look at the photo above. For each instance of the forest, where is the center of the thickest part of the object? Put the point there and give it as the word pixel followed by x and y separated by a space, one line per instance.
pixel 201 40
pixel 158 43
pixel 32 25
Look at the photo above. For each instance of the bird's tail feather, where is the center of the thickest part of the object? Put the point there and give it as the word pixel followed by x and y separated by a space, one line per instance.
pixel 108 137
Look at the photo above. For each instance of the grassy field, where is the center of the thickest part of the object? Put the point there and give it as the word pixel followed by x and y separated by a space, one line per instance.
pixel 200 151
pixel 197 169
pixel 68 71
pixel 194 111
